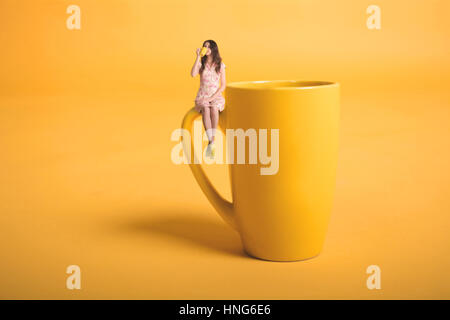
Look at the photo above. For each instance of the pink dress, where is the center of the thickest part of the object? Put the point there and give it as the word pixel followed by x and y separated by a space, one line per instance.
pixel 209 83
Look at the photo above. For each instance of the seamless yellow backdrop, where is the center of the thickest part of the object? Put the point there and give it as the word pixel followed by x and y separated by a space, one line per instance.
pixel 85 123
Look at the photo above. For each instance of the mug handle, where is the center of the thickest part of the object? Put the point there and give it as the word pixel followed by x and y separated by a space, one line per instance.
pixel 222 206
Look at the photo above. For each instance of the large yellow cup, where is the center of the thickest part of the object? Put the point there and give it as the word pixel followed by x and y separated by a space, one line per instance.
pixel 282 216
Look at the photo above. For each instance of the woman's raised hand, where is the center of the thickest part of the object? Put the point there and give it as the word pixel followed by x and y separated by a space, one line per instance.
pixel 198 51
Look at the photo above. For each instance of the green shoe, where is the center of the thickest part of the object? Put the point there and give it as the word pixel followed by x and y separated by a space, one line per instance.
pixel 208 151
pixel 213 150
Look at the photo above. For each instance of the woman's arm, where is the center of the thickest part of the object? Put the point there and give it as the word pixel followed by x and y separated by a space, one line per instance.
pixel 197 64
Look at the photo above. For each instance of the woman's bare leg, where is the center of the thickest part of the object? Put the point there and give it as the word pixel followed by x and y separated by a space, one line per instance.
pixel 206 116
pixel 214 121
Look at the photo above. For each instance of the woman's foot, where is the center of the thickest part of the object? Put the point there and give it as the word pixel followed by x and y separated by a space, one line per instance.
pixel 211 150
pixel 208 150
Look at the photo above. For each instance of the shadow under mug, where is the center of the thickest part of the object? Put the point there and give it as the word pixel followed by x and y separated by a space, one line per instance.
pixel 282 216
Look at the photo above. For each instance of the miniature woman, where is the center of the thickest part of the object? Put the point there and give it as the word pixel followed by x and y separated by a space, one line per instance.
pixel 209 100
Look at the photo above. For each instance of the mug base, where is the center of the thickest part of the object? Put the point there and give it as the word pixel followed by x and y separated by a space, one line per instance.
pixel 278 260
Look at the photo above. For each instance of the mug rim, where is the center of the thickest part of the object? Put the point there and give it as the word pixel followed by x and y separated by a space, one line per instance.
pixel 314 84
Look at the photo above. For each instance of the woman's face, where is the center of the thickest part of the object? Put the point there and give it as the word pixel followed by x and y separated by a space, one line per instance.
pixel 208 52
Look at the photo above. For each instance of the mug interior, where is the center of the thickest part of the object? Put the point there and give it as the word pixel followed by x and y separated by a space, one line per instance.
pixel 280 84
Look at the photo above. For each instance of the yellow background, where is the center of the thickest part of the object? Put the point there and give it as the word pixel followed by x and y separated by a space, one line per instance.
pixel 85 169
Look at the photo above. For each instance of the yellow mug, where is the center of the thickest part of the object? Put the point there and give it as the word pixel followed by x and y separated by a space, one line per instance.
pixel 282 216
pixel 203 51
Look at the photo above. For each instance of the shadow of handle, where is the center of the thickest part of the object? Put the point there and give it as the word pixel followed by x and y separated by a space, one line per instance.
pixel 222 206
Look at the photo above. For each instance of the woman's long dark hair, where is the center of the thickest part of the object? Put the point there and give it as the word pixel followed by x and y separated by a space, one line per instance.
pixel 215 56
